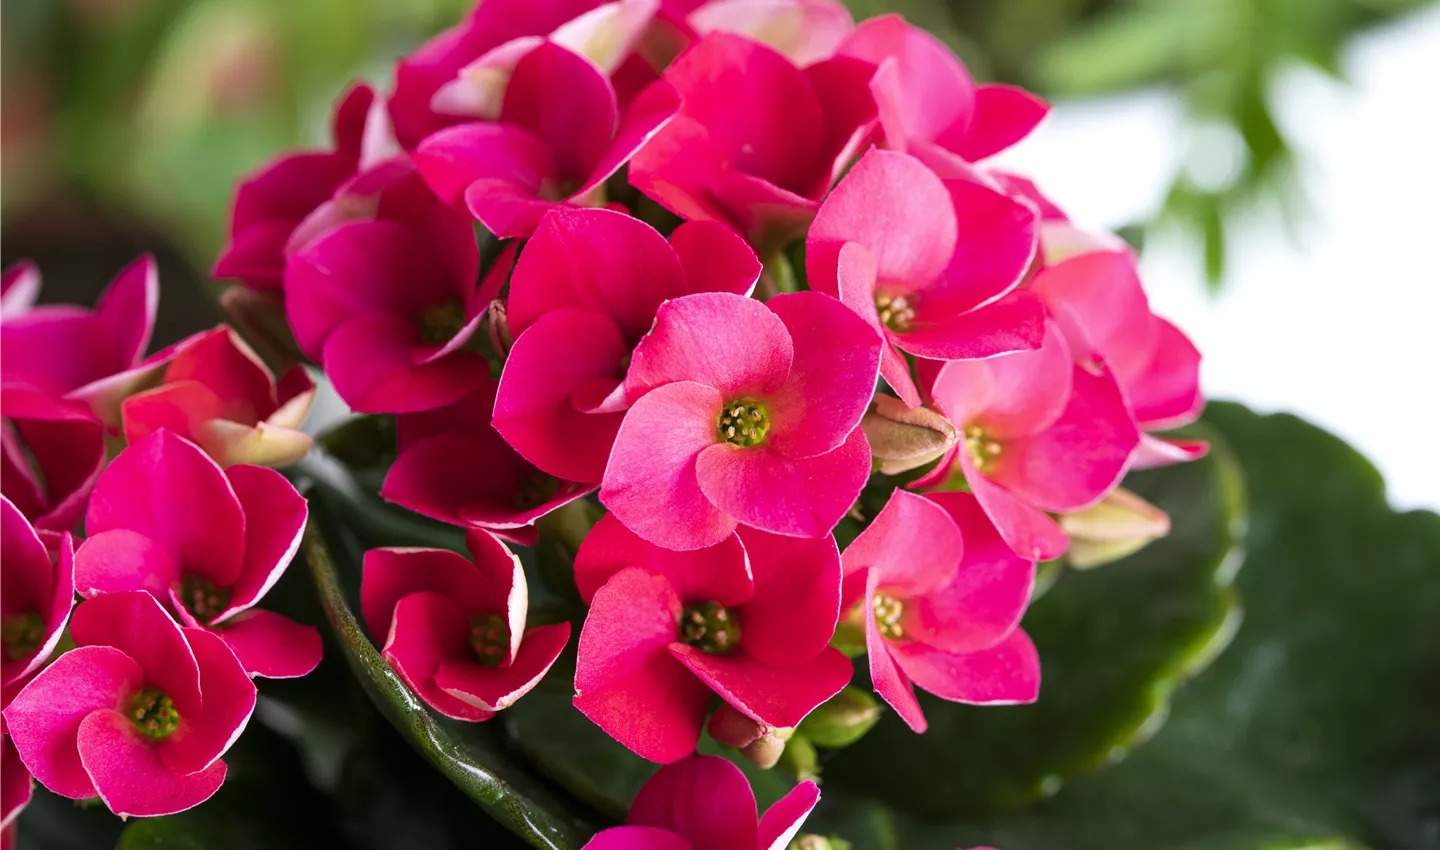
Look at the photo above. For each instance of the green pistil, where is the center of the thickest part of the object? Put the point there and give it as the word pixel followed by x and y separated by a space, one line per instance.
pixel 709 627
pixel 153 713
pixel 535 491
pixel 743 423
pixel 983 450
pixel 896 312
pixel 888 611
pixel 439 324
pixel 21 634
pixel 489 638
pixel 203 598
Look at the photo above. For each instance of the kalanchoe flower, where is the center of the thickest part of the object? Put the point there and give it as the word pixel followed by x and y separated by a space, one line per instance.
pixel 206 542
pixel 559 136
pixel 705 803
pixel 1041 434
pixel 930 264
pixel 272 201
pixel 139 713
pixel 758 141
pixel 749 618
pixel 51 453
pixel 937 618
pixel 37 574
pixel 746 413
pixel 389 306
pixel 216 393
pixel 453 466
pixel 583 294
pixel 454 628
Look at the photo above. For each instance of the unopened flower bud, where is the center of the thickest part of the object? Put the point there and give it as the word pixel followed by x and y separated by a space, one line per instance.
pixel 903 438
pixel 1118 525
pixel 842 720
pixel 761 745
pixel 497 327
pixel 800 758
pixel 811 841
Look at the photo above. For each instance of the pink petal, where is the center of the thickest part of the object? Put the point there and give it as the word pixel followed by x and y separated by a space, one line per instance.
pixel 797 498
pixel 223 363
pixel 129 774
pixel 390 575
pixel 168 490
pixel 566 103
pixel 728 342
pixel 842 83
pixel 704 799
pixel 995 245
pixel 501 570
pixel 45 716
pixel 229 699
pixel 911 547
pixel 533 407
pixel 889 681
pixel 792 614
pixel 508 210
pixel 121 560
pixel 646 116
pixel 714 258
pixel 16 787
pixel 636 838
pixel 19 288
pixel 1157 451
pixel 775 696
pixel 1098 299
pixel 784 818
pixel 626 681
pixel 134 622
pixel 371 361
pixel 1029 532
pixel 182 407
pixel 984 599
pixel 1011 396
pixel 67 446
pixel 650 482
pixel 28 575
pixel 719 573
pixel 497 688
pixel 832 376
pixel 1003 116
pixel 126 308
pixel 934 91
pixel 1014 323
pixel 430 630
pixel 855 276
pixel 274 521
pixel 1167 393
pixel 1006 674
pixel 269 645
pixel 806 31
pixel 455 158
pixel 770 216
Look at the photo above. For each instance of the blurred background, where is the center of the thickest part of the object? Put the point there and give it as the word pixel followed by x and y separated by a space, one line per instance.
pixel 1274 160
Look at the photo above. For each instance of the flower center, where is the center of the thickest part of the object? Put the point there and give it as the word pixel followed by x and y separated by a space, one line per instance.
pixel 888 611
pixel 153 713
pixel 21 634
pixel 438 324
pixel 896 312
pixel 203 598
pixel 534 491
pixel 983 450
pixel 489 638
pixel 744 422
pixel 709 627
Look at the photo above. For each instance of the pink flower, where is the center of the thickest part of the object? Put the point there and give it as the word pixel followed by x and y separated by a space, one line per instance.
pixel 218 394
pixel 37 581
pixel 1041 434
pixel 757 142
pixel 705 803
pixel 454 628
pixel 749 618
pixel 941 596
pixel 139 714
pixel 210 542
pixel 746 413
pixel 583 294
pixel 455 467
pixel 559 136
pixel 389 305
pixel 51 453
pixel 930 264
pixel 272 201
pixel 927 102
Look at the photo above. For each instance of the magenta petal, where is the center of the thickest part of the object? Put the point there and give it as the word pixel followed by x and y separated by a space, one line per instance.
pixel 647 114
pixel 718 573
pixel 19 287
pixel 775 696
pixel 934 91
pixel 911 547
pixel 1006 674
pixel 455 158
pixel 129 774
pixel 832 376
pixel 791 616
pixel 714 258
pixel 119 560
pixel 889 681
pixel 1003 116
pixel 636 838
pixel 430 630
pixel 127 308
pixel 704 799
pixel 797 498
pixel 566 102
pixel 370 359
pixel 228 700
pixel 1098 299
pixel 274 520
pixel 1166 394
pixel 1029 531
pixel 508 210
pixel 45 716
pixel 1156 451
pixel 497 688
pixel 626 681
pixel 269 645
pixel 16 787
pixel 650 482
pixel 729 342
pixel 390 575
pixel 996 243
pixel 784 818
pixel 1014 323
pixel 134 623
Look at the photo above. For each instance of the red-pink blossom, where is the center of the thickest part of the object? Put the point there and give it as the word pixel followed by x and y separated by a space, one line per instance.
pixel 51 453
pixel 746 413
pixel 757 142
pixel 389 305
pixel 454 628
pixel 705 803
pixel 455 467
pixel 37 583
pixel 139 713
pixel 941 596
pixel 205 541
pixel 584 293
pixel 749 618
pixel 930 264
pixel 217 393
pixel 1042 433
